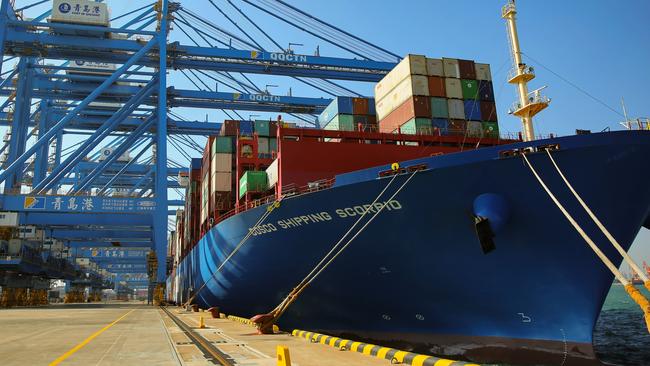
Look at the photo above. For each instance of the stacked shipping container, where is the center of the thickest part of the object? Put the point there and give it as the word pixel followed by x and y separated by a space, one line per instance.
pixel 241 146
pixel 440 96
pixel 192 207
pixel 267 144
pixel 420 96
pixel 221 173
pixel 349 114
pixel 180 236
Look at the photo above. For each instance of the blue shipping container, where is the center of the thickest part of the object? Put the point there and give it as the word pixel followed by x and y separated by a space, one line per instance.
pixel 440 124
pixel 485 91
pixel 196 163
pixel 371 107
pixel 246 128
pixel 340 105
pixel 473 110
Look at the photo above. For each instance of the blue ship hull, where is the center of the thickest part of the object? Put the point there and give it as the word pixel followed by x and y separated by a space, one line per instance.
pixel 417 277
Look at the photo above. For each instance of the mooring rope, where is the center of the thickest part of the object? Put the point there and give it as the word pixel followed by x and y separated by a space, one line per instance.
pixel 629 287
pixel 602 227
pixel 268 211
pixel 325 262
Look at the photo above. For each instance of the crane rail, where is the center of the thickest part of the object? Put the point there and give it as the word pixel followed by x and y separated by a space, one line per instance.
pixel 205 346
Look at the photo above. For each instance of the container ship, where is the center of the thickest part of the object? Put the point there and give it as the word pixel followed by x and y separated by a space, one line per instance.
pixel 457 249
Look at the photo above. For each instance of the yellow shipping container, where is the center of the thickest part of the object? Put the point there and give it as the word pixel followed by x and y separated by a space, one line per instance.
pixel 483 72
pixel 434 67
pixel 412 85
pixel 410 65
pixel 451 68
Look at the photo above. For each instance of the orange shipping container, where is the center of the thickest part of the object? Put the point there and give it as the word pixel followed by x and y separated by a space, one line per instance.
pixel 437 86
pixel 457 126
pixel 360 106
pixel 467 69
pixel 414 107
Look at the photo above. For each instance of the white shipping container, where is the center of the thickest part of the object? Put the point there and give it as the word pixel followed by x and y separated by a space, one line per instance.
pixel 410 65
pixel 451 68
pixel 205 189
pixel 263 146
pixel 221 162
pixel 9 219
pixel 483 71
pixel 223 181
pixel 384 107
pixel 474 129
pixel 412 85
pixel 204 213
pixel 183 179
pixel 272 173
pixel 456 108
pixel 434 67
pixel 80 12
pixel 179 246
pixel 453 88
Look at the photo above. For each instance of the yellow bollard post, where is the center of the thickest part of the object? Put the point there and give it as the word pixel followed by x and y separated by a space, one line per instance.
pixel 201 322
pixel 283 356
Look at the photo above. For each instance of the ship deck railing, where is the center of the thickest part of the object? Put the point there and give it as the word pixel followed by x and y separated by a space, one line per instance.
pixel 290 190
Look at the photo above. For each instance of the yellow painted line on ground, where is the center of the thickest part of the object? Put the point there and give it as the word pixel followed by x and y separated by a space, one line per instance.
pixel 87 340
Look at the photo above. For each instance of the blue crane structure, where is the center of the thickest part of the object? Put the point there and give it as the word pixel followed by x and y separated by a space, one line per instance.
pixel 70 126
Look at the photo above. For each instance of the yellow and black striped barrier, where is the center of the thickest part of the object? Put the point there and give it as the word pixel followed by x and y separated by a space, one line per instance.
pixel 241 320
pixel 391 354
pixel 249 322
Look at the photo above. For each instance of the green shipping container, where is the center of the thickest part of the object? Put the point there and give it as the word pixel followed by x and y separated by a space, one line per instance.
pixel 222 144
pixel 252 181
pixel 273 144
pixel 341 122
pixel 491 129
pixel 417 126
pixel 439 108
pixel 262 127
pixel 470 89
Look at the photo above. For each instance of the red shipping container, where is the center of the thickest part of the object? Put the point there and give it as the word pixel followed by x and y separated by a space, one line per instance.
pixel 437 87
pixel 457 126
pixel 414 107
pixel 222 201
pixel 467 69
pixel 273 129
pixel 297 165
pixel 360 106
pixel 488 111
pixel 229 128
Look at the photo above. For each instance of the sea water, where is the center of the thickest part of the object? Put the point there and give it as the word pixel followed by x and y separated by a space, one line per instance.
pixel 621 336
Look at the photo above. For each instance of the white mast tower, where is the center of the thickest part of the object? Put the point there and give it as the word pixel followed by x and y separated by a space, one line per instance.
pixel 529 103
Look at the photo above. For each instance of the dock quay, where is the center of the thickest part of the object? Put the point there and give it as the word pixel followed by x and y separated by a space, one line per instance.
pixel 133 333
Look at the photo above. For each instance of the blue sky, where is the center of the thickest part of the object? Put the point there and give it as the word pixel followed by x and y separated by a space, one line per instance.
pixel 600 47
